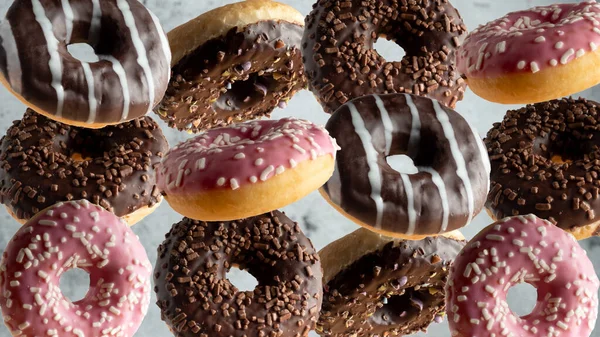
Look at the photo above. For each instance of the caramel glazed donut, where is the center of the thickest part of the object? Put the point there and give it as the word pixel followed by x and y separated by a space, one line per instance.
pixel 43 162
pixel 546 160
pixel 449 188
pixel 128 80
pixel 341 63
pixel 379 286
pixel 196 298
pixel 235 63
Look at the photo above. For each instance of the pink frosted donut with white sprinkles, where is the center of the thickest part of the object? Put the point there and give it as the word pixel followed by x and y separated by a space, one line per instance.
pixel 534 55
pixel 246 169
pixel 517 250
pixel 75 234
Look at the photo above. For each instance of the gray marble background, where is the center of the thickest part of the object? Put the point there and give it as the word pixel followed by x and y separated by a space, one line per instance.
pixel 319 221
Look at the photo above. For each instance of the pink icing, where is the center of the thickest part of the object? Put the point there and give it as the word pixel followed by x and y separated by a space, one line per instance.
pixel 531 41
pixel 516 250
pixel 242 154
pixel 69 235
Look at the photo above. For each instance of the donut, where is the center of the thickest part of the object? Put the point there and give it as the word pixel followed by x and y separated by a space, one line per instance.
pixel 196 298
pixel 534 55
pixel 380 286
pixel 341 63
pixel 126 82
pixel 545 162
pixel 234 63
pixel 246 169
pixel 43 162
pixel 522 249
pixel 75 234
pixel 449 188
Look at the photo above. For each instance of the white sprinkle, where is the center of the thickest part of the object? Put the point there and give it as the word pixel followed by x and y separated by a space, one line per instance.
pixel 234 184
pixel 565 58
pixel 518 242
pixel 494 237
pixel 240 155
pixel 298 148
pixel 221 181
pixel 593 46
pixel 45 222
pixel 521 65
pixel 293 163
pixel 553 62
pixel 540 39
pixel 253 179
pixel 534 67
pixel 265 173
pixel 201 164
pixel 559 45
pixel 501 47
pixel 580 53
pixel 259 161
pixel 279 170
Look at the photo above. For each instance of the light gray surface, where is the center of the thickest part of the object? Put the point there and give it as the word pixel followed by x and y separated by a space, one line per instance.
pixel 319 221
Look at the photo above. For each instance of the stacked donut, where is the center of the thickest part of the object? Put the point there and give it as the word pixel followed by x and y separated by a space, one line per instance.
pixel 79 168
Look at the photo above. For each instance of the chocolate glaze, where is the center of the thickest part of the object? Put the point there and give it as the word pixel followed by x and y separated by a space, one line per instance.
pixel 367 188
pixel 28 65
pixel 526 179
pixel 241 75
pixel 196 298
pixel 37 169
pixel 341 63
pixel 397 290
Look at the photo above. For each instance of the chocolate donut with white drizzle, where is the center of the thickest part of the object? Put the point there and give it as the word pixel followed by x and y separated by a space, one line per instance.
pixel 128 80
pixel 453 178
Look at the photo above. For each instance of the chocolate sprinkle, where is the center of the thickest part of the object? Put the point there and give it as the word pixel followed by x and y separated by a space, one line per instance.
pixel 239 76
pixel 196 298
pixel 545 161
pixel 116 163
pixel 341 63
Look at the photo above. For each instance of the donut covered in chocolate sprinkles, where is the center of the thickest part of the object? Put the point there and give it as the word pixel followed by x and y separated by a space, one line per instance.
pixel 448 188
pixel 378 286
pixel 235 63
pixel 341 63
pixel 196 298
pixel 43 162
pixel 546 161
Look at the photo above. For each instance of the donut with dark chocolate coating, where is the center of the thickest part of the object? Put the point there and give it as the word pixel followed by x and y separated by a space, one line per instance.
pixel 448 188
pixel 341 63
pixel 43 162
pixel 235 63
pixel 545 161
pixel 379 286
pixel 196 298
pixel 130 77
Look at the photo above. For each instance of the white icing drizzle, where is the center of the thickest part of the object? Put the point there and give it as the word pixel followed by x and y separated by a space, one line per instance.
pixel 54 63
pixel 96 21
pixel 387 124
pixel 485 159
pixel 441 186
pixel 142 57
pixel 335 193
pixel 69 17
pixel 410 200
pixel 92 102
pixel 122 75
pixel 371 156
pixel 163 38
pixel 13 62
pixel 457 156
pixel 415 130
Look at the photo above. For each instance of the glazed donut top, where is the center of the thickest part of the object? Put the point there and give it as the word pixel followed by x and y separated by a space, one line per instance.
pixel 242 154
pixel 129 79
pixel 447 191
pixel 546 161
pixel 341 63
pixel 43 162
pixel 197 299
pixel 531 40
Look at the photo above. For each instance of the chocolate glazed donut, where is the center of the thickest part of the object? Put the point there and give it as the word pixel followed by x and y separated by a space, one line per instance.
pixel 453 178
pixel 341 63
pixel 43 162
pixel 545 161
pixel 378 286
pixel 128 80
pixel 196 298
pixel 240 75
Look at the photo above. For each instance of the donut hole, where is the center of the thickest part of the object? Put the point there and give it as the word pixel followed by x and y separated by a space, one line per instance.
pixel 76 156
pixel 83 52
pixel 74 284
pixel 402 164
pixel 521 299
pixel 405 305
pixel 243 94
pixel 389 50
pixel 241 279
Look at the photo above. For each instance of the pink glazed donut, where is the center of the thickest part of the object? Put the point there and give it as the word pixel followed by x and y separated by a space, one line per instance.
pixel 75 234
pixel 516 250
pixel 246 169
pixel 534 55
